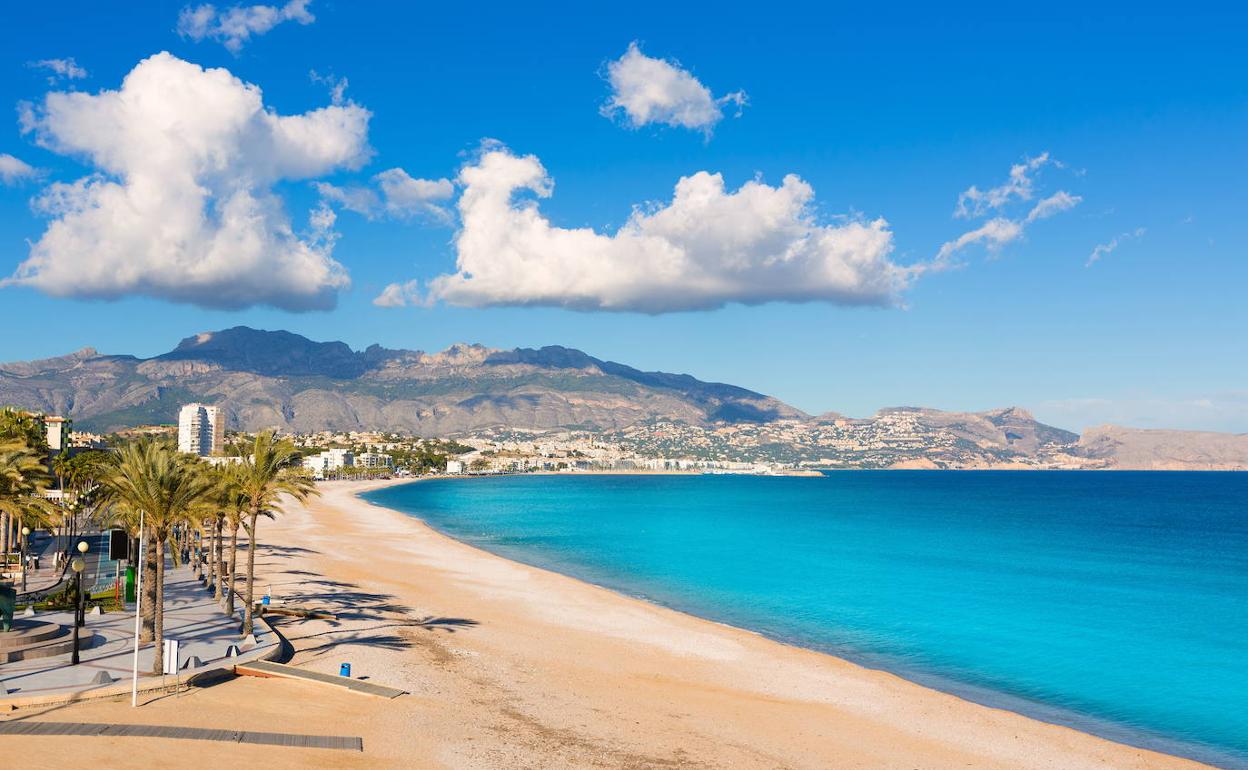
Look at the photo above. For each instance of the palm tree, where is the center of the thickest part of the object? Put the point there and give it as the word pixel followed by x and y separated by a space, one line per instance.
pixel 79 475
pixel 167 488
pixel 23 427
pixel 264 477
pixel 22 478
pixel 232 505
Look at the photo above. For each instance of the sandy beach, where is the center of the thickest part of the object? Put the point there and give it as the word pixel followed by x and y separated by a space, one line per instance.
pixel 510 666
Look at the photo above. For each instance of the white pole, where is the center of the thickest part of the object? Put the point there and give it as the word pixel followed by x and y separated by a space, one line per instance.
pixel 138 603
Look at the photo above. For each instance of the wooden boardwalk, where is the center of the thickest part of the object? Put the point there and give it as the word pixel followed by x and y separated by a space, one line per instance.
pixel 343 742
pixel 268 668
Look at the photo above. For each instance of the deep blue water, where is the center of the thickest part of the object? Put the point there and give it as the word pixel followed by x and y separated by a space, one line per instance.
pixel 1114 602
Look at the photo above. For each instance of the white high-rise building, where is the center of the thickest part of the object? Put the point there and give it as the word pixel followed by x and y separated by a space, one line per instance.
pixel 201 430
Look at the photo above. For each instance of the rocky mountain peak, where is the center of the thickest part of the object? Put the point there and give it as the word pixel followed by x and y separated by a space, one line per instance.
pixel 271 353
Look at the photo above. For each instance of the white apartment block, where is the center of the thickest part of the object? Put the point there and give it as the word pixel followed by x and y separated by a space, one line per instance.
pixel 374 460
pixel 329 461
pixel 56 431
pixel 201 430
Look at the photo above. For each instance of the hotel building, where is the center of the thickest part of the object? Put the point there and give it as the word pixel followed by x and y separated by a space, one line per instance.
pixel 201 430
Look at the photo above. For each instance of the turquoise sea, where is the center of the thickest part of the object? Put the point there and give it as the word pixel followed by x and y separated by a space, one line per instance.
pixel 1114 602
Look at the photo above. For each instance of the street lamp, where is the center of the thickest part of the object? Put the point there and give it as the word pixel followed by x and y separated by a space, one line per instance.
pixel 25 535
pixel 77 564
pixel 82 605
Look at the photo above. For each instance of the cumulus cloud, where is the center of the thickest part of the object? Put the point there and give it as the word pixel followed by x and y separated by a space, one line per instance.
pixel 59 69
pixel 399 295
pixel 708 247
pixel 1101 249
pixel 1004 227
pixel 237 24
pixel 181 206
pixel 398 195
pixel 646 90
pixel 14 170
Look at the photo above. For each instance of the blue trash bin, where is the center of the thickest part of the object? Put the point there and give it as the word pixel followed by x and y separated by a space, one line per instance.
pixel 265 600
pixel 344 670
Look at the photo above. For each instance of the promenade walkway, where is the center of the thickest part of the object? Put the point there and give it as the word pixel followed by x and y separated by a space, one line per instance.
pixel 293 740
pixel 191 616
pixel 49 578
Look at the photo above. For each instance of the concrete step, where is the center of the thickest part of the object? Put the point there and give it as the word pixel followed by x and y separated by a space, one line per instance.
pixel 28 631
pixel 63 645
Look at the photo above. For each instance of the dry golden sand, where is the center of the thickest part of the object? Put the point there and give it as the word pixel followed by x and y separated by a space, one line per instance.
pixel 514 667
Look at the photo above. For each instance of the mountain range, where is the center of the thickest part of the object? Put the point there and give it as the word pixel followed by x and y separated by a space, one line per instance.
pixel 278 379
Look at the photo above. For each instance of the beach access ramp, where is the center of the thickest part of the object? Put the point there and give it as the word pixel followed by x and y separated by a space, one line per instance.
pixel 265 668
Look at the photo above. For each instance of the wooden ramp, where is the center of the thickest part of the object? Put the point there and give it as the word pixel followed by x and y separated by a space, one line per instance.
pixel 268 668
pixel 343 742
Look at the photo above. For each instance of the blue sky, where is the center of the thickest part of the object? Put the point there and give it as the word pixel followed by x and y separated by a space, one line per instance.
pixel 883 114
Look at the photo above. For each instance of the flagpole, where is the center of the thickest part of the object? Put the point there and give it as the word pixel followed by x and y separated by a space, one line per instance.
pixel 138 603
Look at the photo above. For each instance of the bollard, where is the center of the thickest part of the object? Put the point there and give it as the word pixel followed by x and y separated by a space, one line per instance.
pixel 345 670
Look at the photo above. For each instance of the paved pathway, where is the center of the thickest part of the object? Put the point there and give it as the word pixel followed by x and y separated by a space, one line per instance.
pixel 191 617
pixel 345 742
pixel 48 577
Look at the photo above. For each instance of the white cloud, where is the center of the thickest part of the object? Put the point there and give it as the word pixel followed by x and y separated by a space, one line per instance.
pixel 1003 228
pixel 994 233
pixel 181 207
pixel 974 202
pixel 236 25
pixel 706 248
pixel 406 196
pixel 1101 249
pixel 337 85
pixel 14 170
pixel 646 90
pixel 398 195
pixel 67 69
pixel 399 295
pixel 1054 204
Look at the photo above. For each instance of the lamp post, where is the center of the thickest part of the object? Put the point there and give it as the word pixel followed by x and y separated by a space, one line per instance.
pixel 82 603
pixel 77 564
pixel 25 535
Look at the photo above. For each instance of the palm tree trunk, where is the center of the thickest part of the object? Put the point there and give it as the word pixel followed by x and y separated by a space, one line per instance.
pixel 174 549
pixel 212 558
pixel 4 539
pixel 229 602
pixel 220 561
pixel 158 662
pixel 251 573
pixel 148 599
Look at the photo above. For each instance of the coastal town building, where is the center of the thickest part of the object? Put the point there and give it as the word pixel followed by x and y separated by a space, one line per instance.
pixel 201 430
pixel 56 432
pixel 323 464
pixel 374 460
